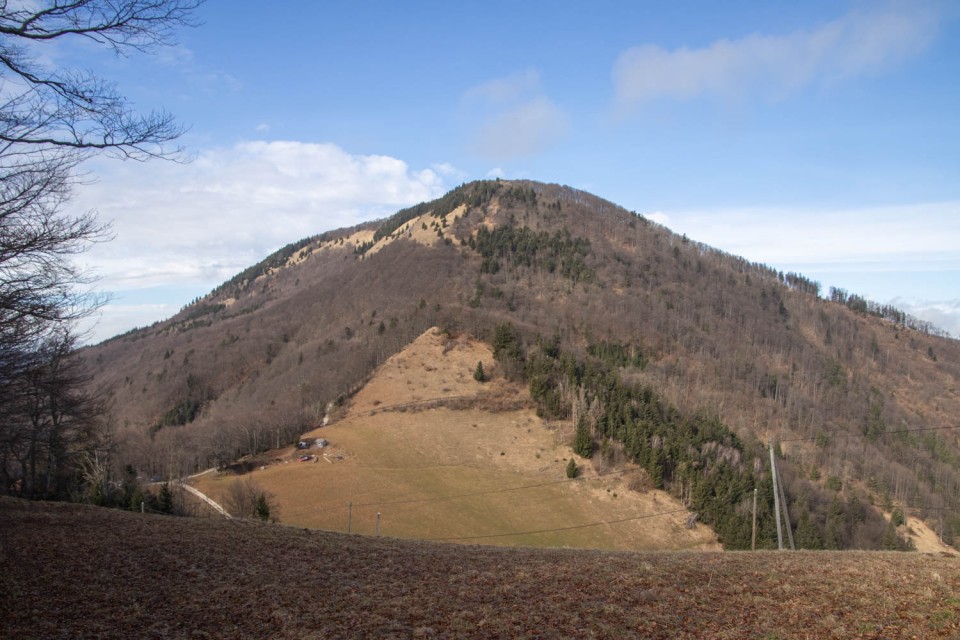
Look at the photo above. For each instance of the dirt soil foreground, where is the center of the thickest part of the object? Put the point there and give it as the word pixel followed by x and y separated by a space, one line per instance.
pixel 73 571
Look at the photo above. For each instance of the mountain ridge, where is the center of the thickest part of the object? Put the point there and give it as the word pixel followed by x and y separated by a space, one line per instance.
pixel 757 350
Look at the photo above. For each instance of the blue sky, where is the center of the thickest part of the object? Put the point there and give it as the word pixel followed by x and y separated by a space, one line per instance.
pixel 820 137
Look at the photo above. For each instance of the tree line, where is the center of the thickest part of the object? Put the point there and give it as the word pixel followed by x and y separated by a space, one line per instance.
pixel 695 457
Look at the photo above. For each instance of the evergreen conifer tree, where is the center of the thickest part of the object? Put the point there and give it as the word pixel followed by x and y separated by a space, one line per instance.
pixel 582 440
pixel 807 535
pixel 262 509
pixel 165 501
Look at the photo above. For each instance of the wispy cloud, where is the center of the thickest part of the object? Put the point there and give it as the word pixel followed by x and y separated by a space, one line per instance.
pixel 944 314
pixel 114 319
pixel 201 223
pixel 775 66
pixel 526 129
pixel 175 55
pixel 659 217
pixel 506 90
pixel 871 252
pixel 874 235
pixel 517 118
pixel 447 170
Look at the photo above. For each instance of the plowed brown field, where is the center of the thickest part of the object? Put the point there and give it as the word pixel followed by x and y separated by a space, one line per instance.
pixel 72 571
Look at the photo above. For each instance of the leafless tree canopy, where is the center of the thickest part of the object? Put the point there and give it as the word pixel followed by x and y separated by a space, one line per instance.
pixel 41 289
pixel 50 121
pixel 48 423
pixel 67 109
pixel 245 496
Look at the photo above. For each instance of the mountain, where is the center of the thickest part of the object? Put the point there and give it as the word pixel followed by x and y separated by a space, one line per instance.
pixel 653 347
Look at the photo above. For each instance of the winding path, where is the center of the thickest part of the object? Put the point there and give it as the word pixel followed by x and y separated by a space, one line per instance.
pixel 208 500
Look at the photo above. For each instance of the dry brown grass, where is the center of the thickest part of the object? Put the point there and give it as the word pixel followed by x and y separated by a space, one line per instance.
pixel 440 455
pixel 70 571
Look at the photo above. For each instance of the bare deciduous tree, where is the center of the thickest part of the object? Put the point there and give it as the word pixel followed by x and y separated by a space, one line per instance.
pixel 50 421
pixel 47 109
pixel 50 121
pixel 247 499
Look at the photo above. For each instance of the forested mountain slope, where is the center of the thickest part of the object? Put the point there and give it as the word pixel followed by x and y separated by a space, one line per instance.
pixel 661 350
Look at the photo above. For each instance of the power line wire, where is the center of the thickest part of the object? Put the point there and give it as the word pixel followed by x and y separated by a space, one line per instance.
pixel 506 490
pixel 570 528
pixel 461 495
pixel 489 491
pixel 864 435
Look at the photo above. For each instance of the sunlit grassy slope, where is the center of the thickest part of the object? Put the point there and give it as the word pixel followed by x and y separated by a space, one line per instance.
pixel 441 456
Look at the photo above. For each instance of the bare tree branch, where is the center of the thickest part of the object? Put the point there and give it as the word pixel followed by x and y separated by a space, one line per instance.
pixel 130 24
pixel 50 122
pixel 47 108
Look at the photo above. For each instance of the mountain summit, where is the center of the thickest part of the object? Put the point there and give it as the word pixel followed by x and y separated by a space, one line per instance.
pixel 655 350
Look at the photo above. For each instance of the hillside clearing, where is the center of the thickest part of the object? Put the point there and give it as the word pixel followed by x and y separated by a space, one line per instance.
pixel 484 468
pixel 72 570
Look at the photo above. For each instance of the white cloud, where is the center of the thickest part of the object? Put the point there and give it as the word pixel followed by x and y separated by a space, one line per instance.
pixel 263 127
pixel 525 129
pixel 659 217
pixel 877 252
pixel 517 118
pixel 861 42
pixel 920 232
pixel 944 314
pixel 174 55
pixel 200 223
pixel 447 170
pixel 517 86
pixel 496 172
pixel 114 319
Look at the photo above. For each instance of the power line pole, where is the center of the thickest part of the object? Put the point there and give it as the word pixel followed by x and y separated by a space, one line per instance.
pixel 378 524
pixel 786 517
pixel 753 538
pixel 776 498
pixel 349 515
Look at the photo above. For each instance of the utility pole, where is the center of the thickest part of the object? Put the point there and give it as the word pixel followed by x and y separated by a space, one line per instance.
pixel 753 538
pixel 349 515
pixel 378 524
pixel 786 517
pixel 776 498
